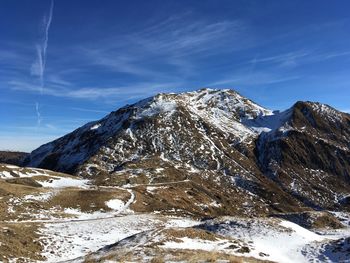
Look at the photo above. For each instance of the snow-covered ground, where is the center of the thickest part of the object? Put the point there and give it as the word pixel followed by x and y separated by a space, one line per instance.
pixel 269 239
pixel 281 241
pixel 62 182
pixel 72 239
pixel 195 244
pixel 52 180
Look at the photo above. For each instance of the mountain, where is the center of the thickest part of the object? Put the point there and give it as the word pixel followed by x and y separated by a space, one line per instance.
pixel 212 152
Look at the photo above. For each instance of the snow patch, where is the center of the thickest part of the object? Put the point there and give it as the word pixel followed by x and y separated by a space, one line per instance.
pixel 96 126
pixel 63 182
pixel 194 244
pixel 157 106
pixel 302 232
pixel 115 204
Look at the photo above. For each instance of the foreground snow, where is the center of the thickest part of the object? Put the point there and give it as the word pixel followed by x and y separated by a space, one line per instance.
pixel 269 238
pixel 279 240
pixel 70 240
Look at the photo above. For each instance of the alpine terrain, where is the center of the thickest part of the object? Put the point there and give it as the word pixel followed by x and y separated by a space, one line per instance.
pixel 200 176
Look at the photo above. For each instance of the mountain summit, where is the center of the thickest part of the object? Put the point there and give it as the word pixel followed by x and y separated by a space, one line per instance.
pixel 224 153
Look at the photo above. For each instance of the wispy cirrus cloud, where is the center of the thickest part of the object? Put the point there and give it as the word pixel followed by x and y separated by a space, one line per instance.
pixel 174 43
pixel 255 78
pixel 298 57
pixel 285 59
pixel 146 56
pixel 182 39
pixel 132 91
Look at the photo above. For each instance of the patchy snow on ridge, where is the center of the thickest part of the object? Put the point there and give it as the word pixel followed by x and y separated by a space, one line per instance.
pixel 326 111
pixel 156 106
pixel 275 121
pixel 225 109
pixel 227 101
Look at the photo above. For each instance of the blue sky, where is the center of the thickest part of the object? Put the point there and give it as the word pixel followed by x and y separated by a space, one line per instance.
pixel 65 63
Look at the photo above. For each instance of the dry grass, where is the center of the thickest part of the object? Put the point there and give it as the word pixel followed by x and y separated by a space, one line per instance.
pixel 193 233
pixel 19 241
pixel 86 200
pixel 24 181
pixel 9 191
pixel 198 199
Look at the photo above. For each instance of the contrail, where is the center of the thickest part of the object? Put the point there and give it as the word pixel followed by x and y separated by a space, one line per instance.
pixel 38 115
pixel 47 23
pixel 38 68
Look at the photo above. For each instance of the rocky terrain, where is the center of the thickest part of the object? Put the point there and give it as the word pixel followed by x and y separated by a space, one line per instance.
pixel 199 176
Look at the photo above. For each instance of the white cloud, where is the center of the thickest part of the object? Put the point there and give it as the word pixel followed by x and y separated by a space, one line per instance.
pixel 139 90
pixel 254 78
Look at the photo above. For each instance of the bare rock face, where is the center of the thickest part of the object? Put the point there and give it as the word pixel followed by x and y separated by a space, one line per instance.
pixel 231 155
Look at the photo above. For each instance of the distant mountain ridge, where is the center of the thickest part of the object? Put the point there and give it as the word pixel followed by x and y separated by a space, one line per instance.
pixel 243 156
pixel 12 157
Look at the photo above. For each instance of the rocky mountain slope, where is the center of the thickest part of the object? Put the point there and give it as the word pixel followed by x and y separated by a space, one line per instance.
pixel 212 152
pixel 308 155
